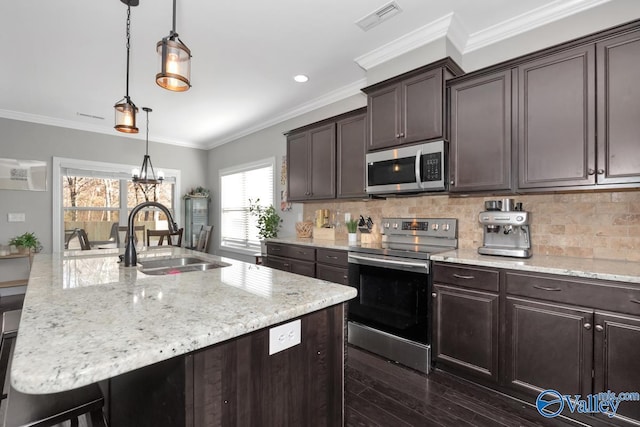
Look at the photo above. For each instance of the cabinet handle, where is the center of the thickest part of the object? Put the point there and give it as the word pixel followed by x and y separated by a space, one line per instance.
pixel 452 182
pixel 434 295
pixel 544 288
pixel 591 171
pixel 285 264
pixel 302 252
pixel 401 135
pixel 600 171
pixel 459 276
pixel 587 326
pixel 599 328
pixel 331 257
pixel 275 249
pixel 345 277
pixel 635 301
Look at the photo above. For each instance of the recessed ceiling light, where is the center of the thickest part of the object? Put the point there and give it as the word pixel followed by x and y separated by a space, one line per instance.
pixel 301 78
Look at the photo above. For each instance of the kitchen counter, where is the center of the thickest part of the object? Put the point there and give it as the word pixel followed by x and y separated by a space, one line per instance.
pixel 309 241
pixel 86 318
pixel 622 271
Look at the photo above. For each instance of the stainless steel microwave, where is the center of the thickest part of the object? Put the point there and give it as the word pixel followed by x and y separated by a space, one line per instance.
pixel 411 169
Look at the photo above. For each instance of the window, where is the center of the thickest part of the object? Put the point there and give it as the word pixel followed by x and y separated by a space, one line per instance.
pixel 96 197
pixel 238 229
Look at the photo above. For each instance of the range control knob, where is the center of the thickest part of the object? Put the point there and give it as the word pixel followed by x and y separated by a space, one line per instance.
pixel 519 218
pixel 395 225
pixel 435 227
pixel 386 225
pixel 445 227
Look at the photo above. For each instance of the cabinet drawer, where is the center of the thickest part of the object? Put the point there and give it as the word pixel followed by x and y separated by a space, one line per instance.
pixel 476 278
pixel 277 249
pixel 332 257
pixel 613 296
pixel 306 253
pixel 304 268
pixel 277 263
pixel 332 274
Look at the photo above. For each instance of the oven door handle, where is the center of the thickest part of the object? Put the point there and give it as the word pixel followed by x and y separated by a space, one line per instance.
pixel 379 261
pixel 417 169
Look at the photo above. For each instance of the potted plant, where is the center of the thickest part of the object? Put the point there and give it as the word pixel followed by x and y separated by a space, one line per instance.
pixel 352 227
pixel 27 242
pixel 268 221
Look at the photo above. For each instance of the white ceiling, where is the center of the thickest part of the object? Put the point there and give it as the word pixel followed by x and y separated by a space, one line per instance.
pixel 65 57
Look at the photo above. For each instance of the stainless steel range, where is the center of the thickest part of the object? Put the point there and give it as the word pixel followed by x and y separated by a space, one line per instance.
pixel 390 315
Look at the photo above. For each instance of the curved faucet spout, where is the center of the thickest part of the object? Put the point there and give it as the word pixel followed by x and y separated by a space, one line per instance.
pixel 130 256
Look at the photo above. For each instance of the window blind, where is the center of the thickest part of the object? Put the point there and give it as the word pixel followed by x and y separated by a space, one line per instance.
pixel 238 227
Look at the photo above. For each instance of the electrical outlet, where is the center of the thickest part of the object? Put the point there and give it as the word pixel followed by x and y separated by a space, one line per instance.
pixel 15 217
pixel 284 336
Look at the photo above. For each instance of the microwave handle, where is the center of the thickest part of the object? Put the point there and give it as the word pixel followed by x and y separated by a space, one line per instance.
pixel 417 169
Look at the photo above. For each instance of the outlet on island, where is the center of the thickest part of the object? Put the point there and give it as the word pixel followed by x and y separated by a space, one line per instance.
pixel 284 336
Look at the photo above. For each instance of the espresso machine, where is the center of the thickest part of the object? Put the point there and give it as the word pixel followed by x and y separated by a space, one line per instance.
pixel 506 229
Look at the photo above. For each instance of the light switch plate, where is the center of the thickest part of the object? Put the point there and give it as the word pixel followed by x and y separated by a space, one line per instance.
pixel 15 217
pixel 284 336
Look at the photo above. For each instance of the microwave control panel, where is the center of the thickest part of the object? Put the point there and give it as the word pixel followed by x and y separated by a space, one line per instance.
pixel 431 167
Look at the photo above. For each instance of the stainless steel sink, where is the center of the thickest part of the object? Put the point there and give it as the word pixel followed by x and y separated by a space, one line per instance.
pixel 178 265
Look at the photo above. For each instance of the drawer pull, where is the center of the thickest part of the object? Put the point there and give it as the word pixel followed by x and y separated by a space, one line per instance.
pixel 302 252
pixel 544 288
pixel 434 294
pixel 285 264
pixel 633 300
pixel 587 326
pixel 599 328
pixel 331 257
pixel 460 276
pixel 345 277
pixel 275 249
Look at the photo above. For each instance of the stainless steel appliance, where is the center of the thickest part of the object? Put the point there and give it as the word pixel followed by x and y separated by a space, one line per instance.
pixel 416 168
pixel 390 315
pixel 506 229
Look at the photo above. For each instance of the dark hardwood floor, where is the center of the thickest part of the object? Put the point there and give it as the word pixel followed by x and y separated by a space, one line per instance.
pixel 382 393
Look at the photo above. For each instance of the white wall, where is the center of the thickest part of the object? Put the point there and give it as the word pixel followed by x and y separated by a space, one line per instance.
pixel 24 140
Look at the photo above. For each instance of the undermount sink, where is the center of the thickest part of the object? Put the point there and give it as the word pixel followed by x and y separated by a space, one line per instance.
pixel 178 265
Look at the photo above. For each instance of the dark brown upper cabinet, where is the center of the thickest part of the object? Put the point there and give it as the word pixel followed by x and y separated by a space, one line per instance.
pixel 409 107
pixel 311 157
pixel 352 148
pixel 556 119
pixel 619 109
pixel 480 151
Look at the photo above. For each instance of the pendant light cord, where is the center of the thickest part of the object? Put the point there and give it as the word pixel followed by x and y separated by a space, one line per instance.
pixel 146 150
pixel 174 18
pixel 128 45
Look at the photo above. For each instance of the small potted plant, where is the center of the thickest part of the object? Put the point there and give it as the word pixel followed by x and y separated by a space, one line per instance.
pixel 26 243
pixel 268 221
pixel 352 227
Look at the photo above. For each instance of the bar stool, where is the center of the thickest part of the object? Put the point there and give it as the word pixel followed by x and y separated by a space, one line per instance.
pixel 45 409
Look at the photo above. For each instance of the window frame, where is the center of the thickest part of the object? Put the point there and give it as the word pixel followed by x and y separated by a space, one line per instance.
pixel 245 167
pixel 60 163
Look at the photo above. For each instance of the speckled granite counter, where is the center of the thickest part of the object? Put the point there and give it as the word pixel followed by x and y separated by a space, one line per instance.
pixel 329 244
pixel 622 271
pixel 86 318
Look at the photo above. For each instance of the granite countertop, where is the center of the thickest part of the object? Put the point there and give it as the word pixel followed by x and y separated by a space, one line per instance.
pixel 622 271
pixel 87 318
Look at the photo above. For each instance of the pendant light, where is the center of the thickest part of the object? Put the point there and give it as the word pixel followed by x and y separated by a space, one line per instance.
pixel 126 110
pixel 146 177
pixel 175 61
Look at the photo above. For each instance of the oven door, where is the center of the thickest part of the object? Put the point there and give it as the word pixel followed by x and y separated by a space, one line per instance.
pixel 392 295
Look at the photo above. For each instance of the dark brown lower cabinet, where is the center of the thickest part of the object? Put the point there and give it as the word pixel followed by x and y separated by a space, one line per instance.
pixel 548 346
pixel 237 382
pixel 465 325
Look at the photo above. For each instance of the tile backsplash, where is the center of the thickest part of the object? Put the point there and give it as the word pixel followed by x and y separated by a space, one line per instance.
pixel 582 224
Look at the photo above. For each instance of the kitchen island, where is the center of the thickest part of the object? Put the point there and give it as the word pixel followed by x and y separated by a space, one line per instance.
pixel 195 335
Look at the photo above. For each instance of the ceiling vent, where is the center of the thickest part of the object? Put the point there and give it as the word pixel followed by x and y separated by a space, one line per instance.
pixel 377 17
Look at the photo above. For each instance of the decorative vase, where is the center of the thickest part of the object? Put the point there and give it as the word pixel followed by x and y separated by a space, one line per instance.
pixel 353 238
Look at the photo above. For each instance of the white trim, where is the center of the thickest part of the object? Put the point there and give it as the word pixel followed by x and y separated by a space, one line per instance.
pixel 339 94
pixel 87 127
pixel 60 162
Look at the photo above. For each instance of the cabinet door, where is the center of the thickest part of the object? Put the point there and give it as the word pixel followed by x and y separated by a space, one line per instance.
pixel 617 358
pixel 480 144
pixel 298 166
pixel 556 122
pixel 383 109
pixel 351 151
pixel 422 104
pixel 323 162
pixel 465 330
pixel 619 109
pixel 549 346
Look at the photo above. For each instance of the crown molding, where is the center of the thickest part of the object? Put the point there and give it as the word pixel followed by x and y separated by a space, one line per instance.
pixel 410 41
pixel 538 17
pixel 331 97
pixel 68 124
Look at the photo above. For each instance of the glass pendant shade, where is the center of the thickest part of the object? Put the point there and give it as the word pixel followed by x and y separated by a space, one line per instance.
pixel 126 116
pixel 175 65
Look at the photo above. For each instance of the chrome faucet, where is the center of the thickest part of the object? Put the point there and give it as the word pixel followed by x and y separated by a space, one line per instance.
pixel 130 256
